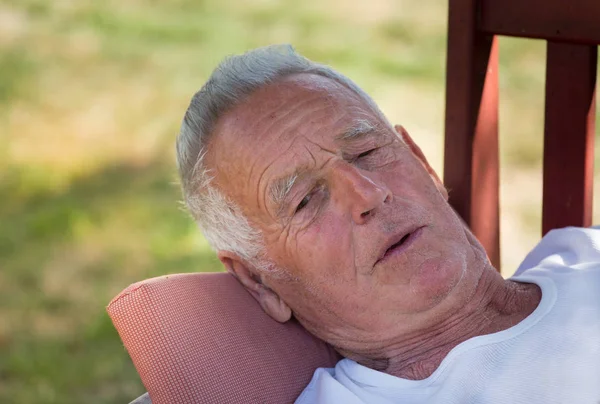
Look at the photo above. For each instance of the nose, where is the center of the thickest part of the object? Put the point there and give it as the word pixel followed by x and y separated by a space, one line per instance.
pixel 359 192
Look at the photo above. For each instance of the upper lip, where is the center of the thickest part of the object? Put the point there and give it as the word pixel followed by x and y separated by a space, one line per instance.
pixel 395 238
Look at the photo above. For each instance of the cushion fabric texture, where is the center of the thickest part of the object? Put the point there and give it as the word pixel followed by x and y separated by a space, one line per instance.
pixel 201 338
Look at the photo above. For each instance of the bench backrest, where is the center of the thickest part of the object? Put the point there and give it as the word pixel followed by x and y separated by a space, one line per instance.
pixel 471 165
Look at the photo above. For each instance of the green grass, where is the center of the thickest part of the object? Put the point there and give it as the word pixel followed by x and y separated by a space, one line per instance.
pixel 67 253
pixel 91 97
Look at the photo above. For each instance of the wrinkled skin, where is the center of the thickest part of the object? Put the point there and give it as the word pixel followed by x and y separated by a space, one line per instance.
pixel 351 198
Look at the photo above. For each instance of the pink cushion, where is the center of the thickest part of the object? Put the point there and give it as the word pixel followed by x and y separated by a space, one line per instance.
pixel 201 338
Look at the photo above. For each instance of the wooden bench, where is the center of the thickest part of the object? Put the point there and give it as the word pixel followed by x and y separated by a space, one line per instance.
pixel 471 163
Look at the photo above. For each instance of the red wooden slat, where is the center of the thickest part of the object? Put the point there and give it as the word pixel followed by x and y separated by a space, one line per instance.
pixel 558 20
pixel 471 140
pixel 569 135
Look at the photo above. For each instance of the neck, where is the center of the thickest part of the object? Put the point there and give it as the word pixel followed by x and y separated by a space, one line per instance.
pixel 497 305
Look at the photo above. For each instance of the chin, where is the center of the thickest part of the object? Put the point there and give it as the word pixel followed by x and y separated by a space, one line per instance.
pixel 437 278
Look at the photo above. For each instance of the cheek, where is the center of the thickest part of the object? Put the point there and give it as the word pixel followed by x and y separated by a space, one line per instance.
pixel 327 243
pixel 415 184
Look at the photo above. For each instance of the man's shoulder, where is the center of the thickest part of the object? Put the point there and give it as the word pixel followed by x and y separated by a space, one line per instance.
pixel 569 247
pixel 329 385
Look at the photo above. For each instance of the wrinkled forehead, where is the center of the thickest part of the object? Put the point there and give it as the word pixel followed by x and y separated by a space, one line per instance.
pixel 274 119
pixel 295 93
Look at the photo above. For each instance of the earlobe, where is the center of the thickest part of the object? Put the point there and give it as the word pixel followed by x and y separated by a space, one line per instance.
pixel 273 305
pixel 250 278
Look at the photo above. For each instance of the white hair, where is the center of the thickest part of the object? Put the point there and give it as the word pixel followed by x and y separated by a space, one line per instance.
pixel 219 218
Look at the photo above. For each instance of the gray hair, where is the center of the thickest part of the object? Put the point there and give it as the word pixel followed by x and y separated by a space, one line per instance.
pixel 219 218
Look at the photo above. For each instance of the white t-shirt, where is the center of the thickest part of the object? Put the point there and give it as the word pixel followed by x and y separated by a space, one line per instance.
pixel 552 356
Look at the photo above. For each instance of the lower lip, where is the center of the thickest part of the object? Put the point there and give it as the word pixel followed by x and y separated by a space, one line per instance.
pixel 404 246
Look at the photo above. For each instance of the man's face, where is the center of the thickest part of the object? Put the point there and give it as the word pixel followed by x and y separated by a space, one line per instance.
pixel 370 247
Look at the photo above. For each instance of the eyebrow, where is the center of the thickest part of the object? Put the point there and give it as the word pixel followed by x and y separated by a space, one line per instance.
pixel 281 188
pixel 359 129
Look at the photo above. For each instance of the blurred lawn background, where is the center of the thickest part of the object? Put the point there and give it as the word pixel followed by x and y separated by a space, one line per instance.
pixel 91 97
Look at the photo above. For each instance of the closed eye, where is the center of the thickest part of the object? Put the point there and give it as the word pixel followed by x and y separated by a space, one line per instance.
pixel 303 202
pixel 314 197
pixel 364 154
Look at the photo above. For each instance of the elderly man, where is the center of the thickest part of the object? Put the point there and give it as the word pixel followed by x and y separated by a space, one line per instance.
pixel 325 212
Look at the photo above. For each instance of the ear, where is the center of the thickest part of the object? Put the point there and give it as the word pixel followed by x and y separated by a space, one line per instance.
pixel 416 150
pixel 253 282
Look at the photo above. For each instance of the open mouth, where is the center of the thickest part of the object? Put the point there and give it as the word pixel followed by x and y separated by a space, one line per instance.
pixel 402 244
pixel 398 244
